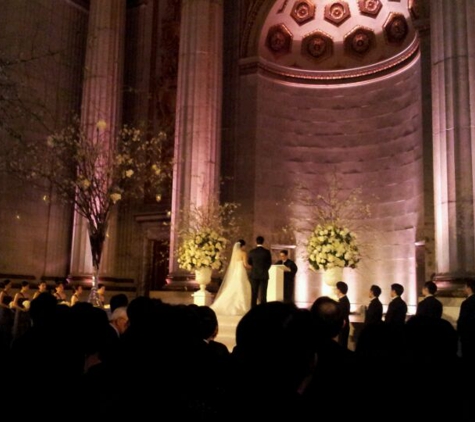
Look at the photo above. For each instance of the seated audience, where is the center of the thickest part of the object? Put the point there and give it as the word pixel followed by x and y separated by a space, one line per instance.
pixel 77 295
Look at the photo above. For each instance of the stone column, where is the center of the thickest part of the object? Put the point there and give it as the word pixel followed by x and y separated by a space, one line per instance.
pixel 198 111
pixel 453 90
pixel 101 100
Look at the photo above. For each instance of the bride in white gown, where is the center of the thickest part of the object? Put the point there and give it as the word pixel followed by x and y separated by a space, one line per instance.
pixel 234 294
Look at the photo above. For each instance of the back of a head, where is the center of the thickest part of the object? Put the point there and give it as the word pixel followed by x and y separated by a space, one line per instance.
pixel 274 335
pixel 431 339
pixel 118 300
pixel 208 321
pixel 42 309
pixel 259 240
pixel 328 317
pixel 140 310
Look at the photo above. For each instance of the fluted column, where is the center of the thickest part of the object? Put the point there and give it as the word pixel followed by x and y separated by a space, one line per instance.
pixel 453 82
pixel 198 112
pixel 101 100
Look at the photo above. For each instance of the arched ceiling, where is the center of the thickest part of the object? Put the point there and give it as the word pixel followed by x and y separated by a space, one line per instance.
pixel 314 40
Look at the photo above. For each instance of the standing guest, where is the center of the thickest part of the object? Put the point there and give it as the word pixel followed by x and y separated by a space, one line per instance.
pixel 289 275
pixel 21 305
pixel 397 308
pixel 334 362
pixel 215 355
pixel 59 292
pixel 341 291
pixel 272 335
pixel 430 306
pixel 374 311
pixel 466 323
pixel 6 316
pixel 76 297
pixel 209 328
pixel 42 288
pixel 119 320
pixel 260 260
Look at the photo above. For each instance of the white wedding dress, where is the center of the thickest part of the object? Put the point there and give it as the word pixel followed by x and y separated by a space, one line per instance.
pixel 234 295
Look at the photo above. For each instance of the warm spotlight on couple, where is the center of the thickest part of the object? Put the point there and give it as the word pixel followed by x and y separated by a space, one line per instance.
pixel 239 291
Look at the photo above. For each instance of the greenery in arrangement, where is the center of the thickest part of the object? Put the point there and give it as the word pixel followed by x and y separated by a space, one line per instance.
pixel 331 246
pixel 94 170
pixel 204 236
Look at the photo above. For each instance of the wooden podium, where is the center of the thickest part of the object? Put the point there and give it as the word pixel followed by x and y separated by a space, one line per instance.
pixel 275 287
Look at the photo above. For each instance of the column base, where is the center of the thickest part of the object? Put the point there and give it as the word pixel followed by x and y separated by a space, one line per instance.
pixel 452 285
pixel 202 298
pixel 187 282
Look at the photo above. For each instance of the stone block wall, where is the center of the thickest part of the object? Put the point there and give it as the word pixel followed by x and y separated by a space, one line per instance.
pixel 369 134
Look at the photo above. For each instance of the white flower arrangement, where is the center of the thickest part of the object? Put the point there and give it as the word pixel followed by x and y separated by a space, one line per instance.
pixel 204 232
pixel 201 249
pixel 331 246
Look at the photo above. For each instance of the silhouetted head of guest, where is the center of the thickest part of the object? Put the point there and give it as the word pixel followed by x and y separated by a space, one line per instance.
pixel 431 340
pixel 328 317
pixel 118 300
pixel 43 309
pixel 142 311
pixel 381 343
pixel 259 240
pixel 274 335
pixel 208 322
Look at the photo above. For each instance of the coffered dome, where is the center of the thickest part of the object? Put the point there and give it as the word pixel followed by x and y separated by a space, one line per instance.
pixel 313 40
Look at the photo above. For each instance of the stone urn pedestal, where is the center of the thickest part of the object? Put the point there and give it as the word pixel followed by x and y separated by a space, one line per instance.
pixel 203 277
pixel 329 279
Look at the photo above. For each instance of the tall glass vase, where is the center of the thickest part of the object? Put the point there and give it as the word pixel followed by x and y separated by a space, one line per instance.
pixel 96 239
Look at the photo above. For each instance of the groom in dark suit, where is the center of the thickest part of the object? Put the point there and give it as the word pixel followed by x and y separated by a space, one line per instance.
pixel 260 260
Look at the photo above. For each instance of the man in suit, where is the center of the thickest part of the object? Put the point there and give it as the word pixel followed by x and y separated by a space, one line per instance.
pixel 397 308
pixel 289 275
pixel 429 306
pixel 341 291
pixel 466 323
pixel 260 260
pixel 374 311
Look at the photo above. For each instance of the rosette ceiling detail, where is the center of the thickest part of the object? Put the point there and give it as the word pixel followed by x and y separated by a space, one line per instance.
pixel 314 40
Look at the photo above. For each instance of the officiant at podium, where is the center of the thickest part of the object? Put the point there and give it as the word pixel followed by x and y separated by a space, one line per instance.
pixel 289 275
